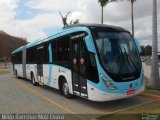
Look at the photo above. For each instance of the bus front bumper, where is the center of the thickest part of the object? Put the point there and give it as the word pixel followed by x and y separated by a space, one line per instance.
pixel 101 96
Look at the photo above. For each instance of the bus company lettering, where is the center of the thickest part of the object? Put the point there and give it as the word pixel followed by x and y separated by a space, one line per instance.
pixel 78 36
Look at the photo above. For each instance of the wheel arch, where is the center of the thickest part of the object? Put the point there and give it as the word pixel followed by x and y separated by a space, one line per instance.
pixel 31 73
pixel 61 79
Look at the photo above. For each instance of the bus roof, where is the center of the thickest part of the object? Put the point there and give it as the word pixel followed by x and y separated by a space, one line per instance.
pixel 109 27
pixel 71 28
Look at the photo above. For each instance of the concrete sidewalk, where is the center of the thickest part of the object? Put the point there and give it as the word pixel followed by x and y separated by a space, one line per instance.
pixel 147 73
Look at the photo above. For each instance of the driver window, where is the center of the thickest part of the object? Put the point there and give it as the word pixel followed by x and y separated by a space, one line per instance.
pixel 92 68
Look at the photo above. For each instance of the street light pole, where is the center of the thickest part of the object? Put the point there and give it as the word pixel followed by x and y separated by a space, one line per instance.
pixel 155 81
pixel 132 16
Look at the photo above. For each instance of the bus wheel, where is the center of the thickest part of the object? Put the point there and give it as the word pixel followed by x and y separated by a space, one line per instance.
pixel 16 74
pixel 66 90
pixel 33 80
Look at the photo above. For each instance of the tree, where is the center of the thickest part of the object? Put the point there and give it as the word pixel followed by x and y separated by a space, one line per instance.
pixel 4 59
pixel 132 15
pixel 74 22
pixel 64 19
pixel 146 50
pixel 103 3
pixel 155 81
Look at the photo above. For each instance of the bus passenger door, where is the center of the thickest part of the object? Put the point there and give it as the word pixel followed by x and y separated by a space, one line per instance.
pixel 40 53
pixel 78 59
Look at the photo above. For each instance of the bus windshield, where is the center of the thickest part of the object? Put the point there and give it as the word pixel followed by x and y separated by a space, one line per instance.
pixel 118 55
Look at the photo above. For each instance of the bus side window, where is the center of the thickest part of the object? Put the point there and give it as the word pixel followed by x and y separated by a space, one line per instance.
pixel 31 55
pixel 18 58
pixel 92 68
pixel 62 51
pixel 54 51
pixel 46 54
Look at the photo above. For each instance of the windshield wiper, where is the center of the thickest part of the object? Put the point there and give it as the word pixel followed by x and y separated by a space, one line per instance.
pixel 128 60
pixel 121 64
pixel 133 65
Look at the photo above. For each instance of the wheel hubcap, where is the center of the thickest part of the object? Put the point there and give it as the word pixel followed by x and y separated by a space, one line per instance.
pixel 65 88
pixel 33 81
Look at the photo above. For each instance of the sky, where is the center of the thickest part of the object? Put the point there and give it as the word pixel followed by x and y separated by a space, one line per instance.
pixel 37 19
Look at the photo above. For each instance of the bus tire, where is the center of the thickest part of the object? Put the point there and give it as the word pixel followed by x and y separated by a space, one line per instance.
pixel 65 89
pixel 33 80
pixel 16 74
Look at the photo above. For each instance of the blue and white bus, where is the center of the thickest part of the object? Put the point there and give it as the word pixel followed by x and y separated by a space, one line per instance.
pixel 97 62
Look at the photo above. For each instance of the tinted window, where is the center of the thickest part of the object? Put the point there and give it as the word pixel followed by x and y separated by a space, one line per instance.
pixel 54 49
pixel 118 55
pixel 63 49
pixel 17 58
pixel 31 55
pixel 46 53
pixel 92 68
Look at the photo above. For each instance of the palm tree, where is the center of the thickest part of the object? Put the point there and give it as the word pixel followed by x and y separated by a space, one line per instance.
pixel 103 3
pixel 132 14
pixel 74 22
pixel 155 81
pixel 64 19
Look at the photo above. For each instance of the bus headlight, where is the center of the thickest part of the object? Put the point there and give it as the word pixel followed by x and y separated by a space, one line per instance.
pixel 107 83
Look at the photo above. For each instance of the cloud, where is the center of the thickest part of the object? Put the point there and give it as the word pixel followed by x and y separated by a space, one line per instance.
pixel 32 28
pixel 53 5
pixel 7 12
pixel 42 16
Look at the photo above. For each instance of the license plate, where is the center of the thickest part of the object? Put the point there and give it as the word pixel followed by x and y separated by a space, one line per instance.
pixel 130 92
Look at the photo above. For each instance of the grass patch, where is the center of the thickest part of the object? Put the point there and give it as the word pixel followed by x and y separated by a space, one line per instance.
pixel 135 113
pixel 150 88
pixel 4 71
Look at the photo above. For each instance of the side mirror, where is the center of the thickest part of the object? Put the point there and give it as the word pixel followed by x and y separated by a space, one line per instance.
pixel 138 45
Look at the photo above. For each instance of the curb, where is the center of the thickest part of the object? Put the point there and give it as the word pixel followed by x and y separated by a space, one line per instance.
pixel 150 96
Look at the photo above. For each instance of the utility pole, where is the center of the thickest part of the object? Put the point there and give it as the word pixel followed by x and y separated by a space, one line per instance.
pixel 155 81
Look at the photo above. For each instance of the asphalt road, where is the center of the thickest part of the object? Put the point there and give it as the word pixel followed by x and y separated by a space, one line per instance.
pixel 20 96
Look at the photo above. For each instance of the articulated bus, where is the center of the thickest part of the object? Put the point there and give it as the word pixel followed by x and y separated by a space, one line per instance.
pixel 97 62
